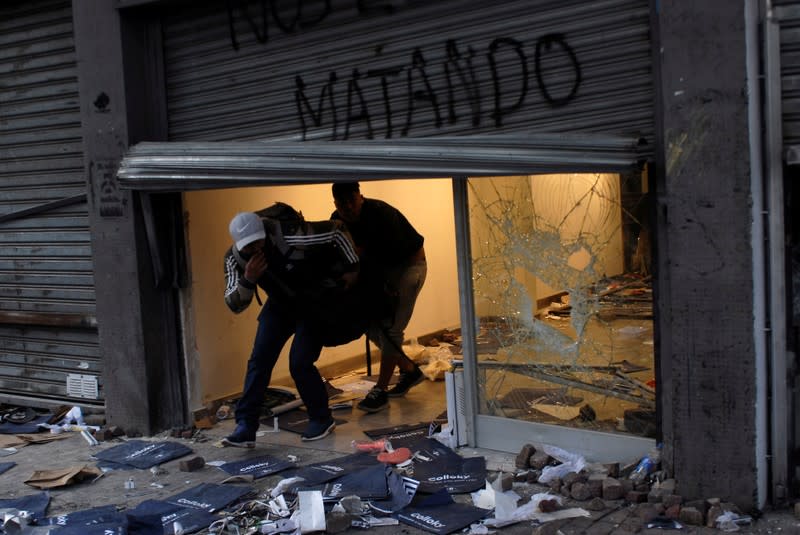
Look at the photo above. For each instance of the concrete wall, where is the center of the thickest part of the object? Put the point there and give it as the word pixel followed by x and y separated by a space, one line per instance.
pixel 705 265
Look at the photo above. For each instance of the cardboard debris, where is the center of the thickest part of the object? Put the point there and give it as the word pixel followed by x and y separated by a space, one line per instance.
pixel 60 477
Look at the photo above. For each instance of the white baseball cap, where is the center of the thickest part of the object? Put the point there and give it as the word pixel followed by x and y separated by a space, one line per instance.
pixel 245 228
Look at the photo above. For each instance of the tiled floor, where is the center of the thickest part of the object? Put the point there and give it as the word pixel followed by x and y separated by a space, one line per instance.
pixel 423 403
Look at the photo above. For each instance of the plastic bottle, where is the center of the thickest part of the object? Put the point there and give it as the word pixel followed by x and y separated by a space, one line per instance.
pixel 647 465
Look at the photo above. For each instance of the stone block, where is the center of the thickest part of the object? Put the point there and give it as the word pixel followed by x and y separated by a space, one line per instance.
pixel 596 504
pixel 636 497
pixel 595 483
pixel 627 484
pixel 524 456
pixel 612 489
pixel 691 515
pixel 672 499
pixel 570 478
pixel 580 491
pixel 613 469
pixel 673 512
pixel 192 465
pixel 646 511
pixel 700 505
pixel 539 460
pixel 714 512
pixel 555 484
pixel 504 482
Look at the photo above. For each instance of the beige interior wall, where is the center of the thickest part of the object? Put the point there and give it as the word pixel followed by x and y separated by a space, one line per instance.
pixel 218 353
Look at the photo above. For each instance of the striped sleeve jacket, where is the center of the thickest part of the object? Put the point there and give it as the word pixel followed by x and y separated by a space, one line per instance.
pixel 305 267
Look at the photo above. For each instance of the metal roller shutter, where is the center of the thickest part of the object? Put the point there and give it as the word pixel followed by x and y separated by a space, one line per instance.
pixel 412 68
pixel 48 335
pixel 788 15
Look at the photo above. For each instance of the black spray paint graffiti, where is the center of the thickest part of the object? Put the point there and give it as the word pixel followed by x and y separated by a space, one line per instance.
pixel 295 15
pixel 423 99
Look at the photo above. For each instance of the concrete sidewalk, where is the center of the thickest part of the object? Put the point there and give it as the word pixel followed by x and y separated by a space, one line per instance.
pixel 110 489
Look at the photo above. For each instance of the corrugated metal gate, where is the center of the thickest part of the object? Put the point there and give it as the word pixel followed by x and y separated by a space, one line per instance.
pixel 48 336
pixel 788 15
pixel 335 69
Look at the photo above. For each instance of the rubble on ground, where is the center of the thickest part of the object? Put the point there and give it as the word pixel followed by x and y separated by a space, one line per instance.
pixel 414 478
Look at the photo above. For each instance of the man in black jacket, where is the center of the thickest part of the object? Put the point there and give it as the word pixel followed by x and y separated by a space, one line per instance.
pixel 308 271
pixel 393 258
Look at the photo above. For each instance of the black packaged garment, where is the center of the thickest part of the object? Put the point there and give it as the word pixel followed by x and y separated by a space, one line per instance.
pixel 438 513
pixel 157 517
pixel 258 467
pixel 209 496
pixel 437 466
pixel 142 454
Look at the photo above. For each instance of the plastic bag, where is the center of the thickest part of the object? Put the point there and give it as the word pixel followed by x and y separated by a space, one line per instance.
pixel 570 462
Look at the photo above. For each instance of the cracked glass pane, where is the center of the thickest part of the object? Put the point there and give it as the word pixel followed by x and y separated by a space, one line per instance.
pixel 563 300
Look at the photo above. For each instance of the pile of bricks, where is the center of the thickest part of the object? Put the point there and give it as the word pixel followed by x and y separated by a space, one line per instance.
pixel 601 487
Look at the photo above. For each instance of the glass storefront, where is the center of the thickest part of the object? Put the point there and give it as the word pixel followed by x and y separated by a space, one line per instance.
pixel 563 300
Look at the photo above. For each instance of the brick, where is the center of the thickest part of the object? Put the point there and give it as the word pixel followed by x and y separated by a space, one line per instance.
pixel 636 497
pixel 714 512
pixel 596 504
pixel 613 469
pixel 548 506
pixel 570 478
pixel 504 482
pixel 595 483
pixel 672 499
pixel 646 511
pixel 524 455
pixel 555 484
pixel 691 516
pixel 627 484
pixel 539 460
pixel 700 505
pixel 192 465
pixel 612 489
pixel 580 491
pixel 673 512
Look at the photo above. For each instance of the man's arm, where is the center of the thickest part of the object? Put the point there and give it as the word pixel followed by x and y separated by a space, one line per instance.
pixel 238 290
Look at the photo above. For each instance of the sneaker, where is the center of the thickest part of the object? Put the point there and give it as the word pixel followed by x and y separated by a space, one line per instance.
pixel 242 437
pixel 407 380
pixel 375 401
pixel 318 429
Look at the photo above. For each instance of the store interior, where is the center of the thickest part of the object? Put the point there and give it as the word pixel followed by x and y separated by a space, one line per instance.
pixel 560 281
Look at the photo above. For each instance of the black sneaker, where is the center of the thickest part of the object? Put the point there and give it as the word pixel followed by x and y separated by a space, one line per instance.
pixel 376 400
pixel 242 437
pixel 407 380
pixel 318 429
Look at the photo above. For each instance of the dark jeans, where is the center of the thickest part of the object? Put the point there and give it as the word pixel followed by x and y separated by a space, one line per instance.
pixel 276 324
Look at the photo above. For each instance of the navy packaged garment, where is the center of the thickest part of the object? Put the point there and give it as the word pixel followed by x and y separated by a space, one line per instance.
pixel 35 504
pixel 5 467
pixel 108 528
pixel 142 454
pixel 95 515
pixel 10 428
pixel 437 466
pixel 209 496
pixel 322 472
pixel 368 483
pixel 402 490
pixel 154 517
pixel 257 467
pixel 438 513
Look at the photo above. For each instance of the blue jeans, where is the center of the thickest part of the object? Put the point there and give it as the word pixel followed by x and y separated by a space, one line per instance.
pixel 276 324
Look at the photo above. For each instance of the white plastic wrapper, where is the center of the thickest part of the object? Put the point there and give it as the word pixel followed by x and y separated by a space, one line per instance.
pixel 570 462
pixel 310 511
